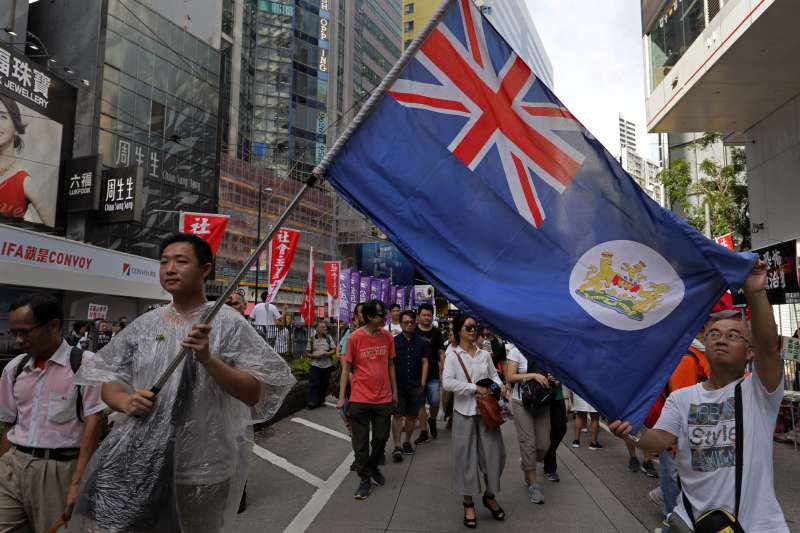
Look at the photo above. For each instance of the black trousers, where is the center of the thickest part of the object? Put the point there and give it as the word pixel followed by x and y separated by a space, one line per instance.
pixel 363 417
pixel 318 382
pixel 558 428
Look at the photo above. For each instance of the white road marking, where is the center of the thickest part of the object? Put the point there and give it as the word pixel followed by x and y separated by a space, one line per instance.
pixel 320 498
pixel 323 429
pixel 293 469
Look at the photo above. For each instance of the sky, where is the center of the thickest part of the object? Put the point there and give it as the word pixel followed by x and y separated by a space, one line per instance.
pixel 598 65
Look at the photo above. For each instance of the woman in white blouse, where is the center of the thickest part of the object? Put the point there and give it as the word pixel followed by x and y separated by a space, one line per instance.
pixel 479 454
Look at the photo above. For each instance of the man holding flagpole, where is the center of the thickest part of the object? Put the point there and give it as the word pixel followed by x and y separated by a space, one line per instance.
pixel 185 469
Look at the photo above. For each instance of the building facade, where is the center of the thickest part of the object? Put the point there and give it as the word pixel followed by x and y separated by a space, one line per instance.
pixel 730 67
pixel 511 18
pixel 627 135
pixel 151 101
pixel 645 173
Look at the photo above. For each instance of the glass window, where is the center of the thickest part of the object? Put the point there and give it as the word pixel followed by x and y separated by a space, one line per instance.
pixel 679 25
pixel 408 26
pixel 409 9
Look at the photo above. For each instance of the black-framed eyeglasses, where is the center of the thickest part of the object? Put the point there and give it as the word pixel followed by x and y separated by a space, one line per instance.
pixel 470 328
pixel 733 336
pixel 24 332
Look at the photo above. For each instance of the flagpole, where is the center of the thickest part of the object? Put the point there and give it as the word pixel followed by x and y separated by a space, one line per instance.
pixel 211 312
pixel 382 89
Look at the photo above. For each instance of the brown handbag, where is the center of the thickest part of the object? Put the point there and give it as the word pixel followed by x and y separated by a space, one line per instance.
pixel 488 407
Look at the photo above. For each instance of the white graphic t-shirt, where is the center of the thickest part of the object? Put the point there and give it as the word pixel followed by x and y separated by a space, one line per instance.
pixel 705 424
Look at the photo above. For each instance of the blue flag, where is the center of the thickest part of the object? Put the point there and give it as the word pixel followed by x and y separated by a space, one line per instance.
pixel 514 211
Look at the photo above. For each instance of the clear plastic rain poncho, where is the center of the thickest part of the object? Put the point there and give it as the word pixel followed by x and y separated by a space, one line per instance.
pixel 183 467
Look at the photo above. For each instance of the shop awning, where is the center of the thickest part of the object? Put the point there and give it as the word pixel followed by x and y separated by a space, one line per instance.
pixel 33 259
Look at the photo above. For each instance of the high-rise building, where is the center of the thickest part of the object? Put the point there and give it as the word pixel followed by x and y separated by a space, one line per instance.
pixel 729 67
pixel 627 135
pixel 645 173
pixel 511 18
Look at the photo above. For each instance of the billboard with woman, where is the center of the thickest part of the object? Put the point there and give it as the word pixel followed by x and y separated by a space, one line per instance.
pixel 36 122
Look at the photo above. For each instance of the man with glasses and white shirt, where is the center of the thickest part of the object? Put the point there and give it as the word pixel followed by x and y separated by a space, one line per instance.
pixel 54 426
pixel 701 420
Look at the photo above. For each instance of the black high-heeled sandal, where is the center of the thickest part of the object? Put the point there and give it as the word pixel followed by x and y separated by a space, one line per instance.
pixel 499 514
pixel 471 523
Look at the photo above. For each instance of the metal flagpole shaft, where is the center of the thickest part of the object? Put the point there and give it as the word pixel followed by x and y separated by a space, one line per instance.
pixel 382 88
pixel 209 315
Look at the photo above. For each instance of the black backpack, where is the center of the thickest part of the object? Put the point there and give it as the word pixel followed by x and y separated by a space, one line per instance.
pixel 75 360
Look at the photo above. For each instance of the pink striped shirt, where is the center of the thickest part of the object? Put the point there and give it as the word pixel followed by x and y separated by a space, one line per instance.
pixel 45 400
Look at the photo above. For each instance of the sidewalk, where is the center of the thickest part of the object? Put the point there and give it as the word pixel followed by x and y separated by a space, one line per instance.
pixel 300 481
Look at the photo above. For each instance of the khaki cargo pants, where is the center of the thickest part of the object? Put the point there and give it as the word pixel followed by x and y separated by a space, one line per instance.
pixel 33 491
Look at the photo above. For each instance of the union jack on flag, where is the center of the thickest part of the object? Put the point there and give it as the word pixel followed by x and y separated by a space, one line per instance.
pixel 505 203
pixel 501 113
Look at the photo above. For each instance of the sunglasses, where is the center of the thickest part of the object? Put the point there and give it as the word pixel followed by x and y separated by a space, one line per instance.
pixel 470 328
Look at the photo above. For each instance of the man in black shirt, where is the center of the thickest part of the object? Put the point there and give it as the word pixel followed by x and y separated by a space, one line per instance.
pixel 433 335
pixel 411 368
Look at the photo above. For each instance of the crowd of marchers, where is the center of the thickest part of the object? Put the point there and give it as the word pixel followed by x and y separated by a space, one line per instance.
pixel 395 373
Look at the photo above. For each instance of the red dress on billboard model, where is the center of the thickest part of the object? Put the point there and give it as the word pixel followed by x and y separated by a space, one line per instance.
pixel 13 202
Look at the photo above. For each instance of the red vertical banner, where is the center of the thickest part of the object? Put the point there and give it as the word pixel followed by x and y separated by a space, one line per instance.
pixel 282 249
pixel 725 240
pixel 307 309
pixel 332 271
pixel 208 226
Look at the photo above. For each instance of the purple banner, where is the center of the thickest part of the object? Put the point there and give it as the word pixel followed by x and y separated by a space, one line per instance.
pixel 344 295
pixel 386 286
pixel 375 289
pixel 363 288
pixel 392 294
pixel 400 297
pixel 411 297
pixel 355 284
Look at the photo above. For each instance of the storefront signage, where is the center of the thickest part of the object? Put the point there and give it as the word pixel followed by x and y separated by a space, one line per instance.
pixel 82 184
pixel 40 113
pixel 121 194
pixel 23 253
pixel 782 282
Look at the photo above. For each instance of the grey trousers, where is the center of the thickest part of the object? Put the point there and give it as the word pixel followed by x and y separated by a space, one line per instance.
pixel 479 456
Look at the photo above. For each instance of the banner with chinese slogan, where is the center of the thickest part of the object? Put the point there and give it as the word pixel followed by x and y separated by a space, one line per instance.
pixel 332 271
pixel 282 249
pixel 209 227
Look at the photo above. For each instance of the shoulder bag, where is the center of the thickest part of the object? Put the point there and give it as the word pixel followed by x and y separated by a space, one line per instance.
pixel 720 520
pixel 488 407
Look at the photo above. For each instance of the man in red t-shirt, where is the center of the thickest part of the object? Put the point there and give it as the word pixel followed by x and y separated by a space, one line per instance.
pixel 373 393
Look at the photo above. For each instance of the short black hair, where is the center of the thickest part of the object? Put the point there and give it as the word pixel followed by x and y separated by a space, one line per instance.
pixel 264 295
pixel 391 307
pixel 371 309
pixel 78 324
pixel 201 248
pixel 458 323
pixel 425 306
pixel 410 313
pixel 44 307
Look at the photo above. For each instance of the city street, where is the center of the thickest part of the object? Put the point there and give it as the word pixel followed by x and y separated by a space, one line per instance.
pixel 300 481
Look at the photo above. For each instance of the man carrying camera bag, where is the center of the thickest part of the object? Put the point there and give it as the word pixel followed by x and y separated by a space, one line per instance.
pixel 723 427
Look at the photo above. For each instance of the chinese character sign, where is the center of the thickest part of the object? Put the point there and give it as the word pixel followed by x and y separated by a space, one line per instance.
pixel 364 289
pixel 282 249
pixel 37 114
pixel 782 274
pixel 82 184
pixel 344 295
pixel 121 194
pixel 355 289
pixel 207 226
pixel 307 308
pixel 332 269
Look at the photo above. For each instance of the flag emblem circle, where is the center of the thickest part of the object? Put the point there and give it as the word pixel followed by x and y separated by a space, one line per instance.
pixel 625 285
